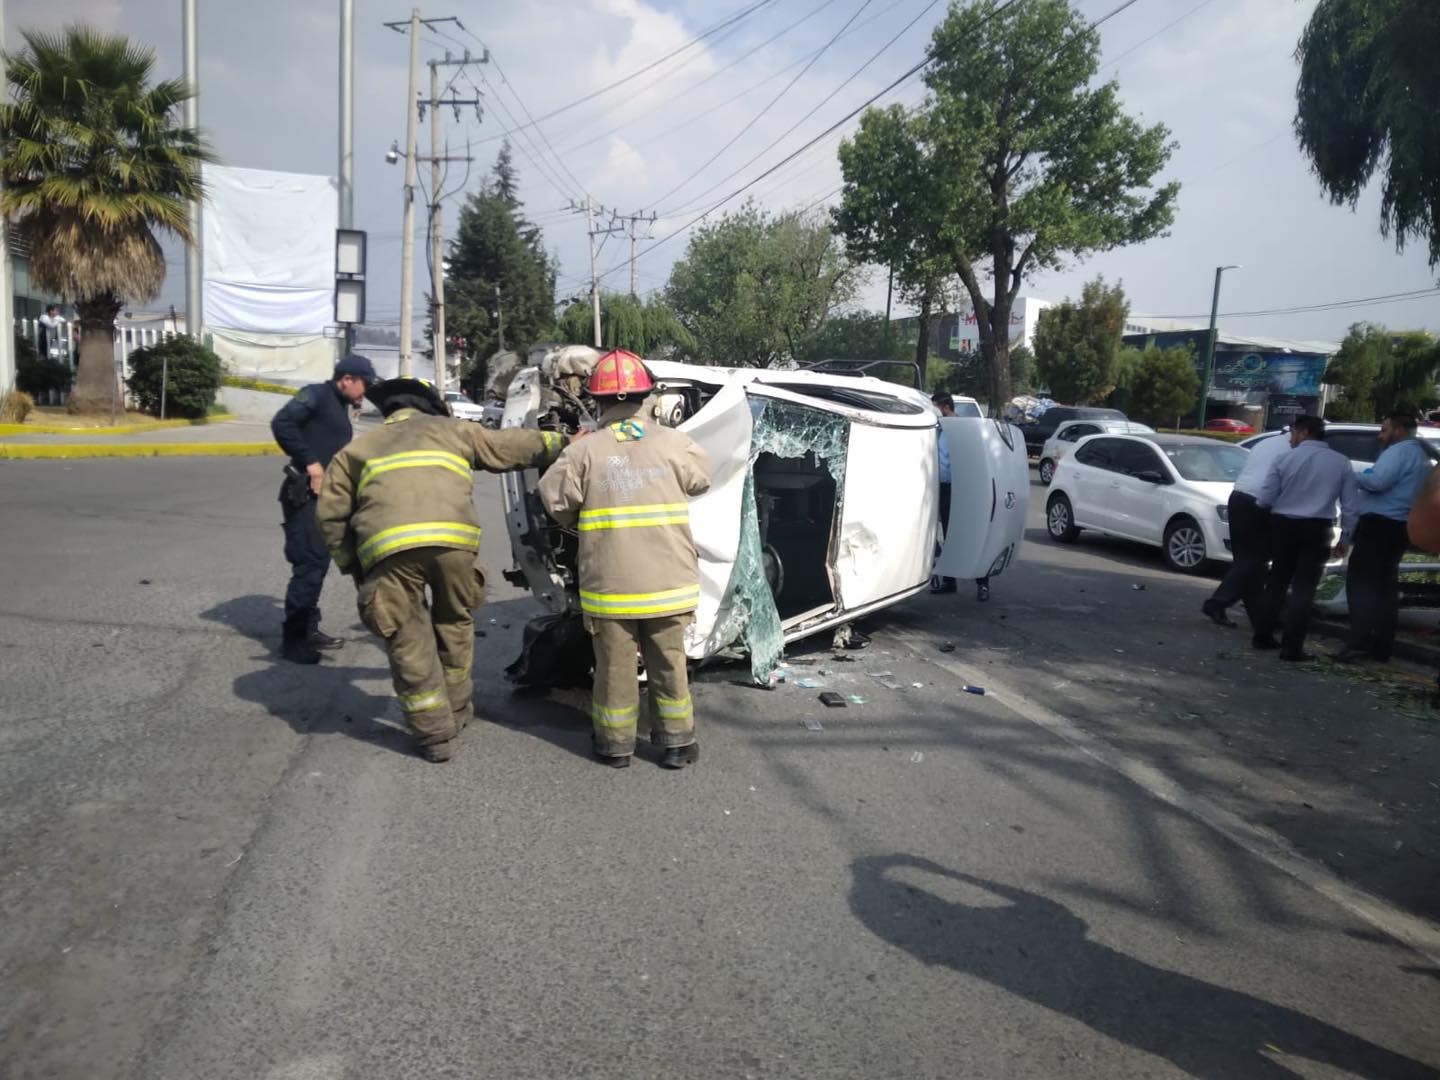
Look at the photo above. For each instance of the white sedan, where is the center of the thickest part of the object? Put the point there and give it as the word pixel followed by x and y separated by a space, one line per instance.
pixel 1072 431
pixel 462 408
pixel 1166 490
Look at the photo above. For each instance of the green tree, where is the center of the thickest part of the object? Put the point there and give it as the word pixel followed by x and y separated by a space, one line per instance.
pixel 1127 367
pixel 1366 103
pixel 1022 370
pixel 1076 344
pixel 95 159
pixel 1355 370
pixel 855 335
pixel 1406 379
pixel 500 276
pixel 1165 385
pixel 752 287
pixel 889 216
pixel 647 329
pixel 1024 163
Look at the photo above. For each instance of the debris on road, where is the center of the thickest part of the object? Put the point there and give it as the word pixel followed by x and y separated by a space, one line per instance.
pixel 811 724
pixel 916 758
pixel 856 699
pixel 809 683
pixel 1138 587
pixel 974 689
pixel 947 646
pixel 832 700
pixel 880 674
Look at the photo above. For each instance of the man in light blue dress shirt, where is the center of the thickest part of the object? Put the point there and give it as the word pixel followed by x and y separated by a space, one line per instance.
pixel 1301 491
pixel 1372 580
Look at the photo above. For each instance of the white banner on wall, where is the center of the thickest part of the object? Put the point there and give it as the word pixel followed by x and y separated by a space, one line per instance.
pixel 269 250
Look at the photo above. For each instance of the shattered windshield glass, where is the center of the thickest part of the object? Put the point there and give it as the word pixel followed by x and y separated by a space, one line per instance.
pixel 747 612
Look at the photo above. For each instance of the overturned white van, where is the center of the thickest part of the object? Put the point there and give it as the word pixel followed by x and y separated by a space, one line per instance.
pixel 822 506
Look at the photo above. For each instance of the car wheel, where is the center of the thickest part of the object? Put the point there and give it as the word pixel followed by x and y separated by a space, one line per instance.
pixel 1184 546
pixel 1047 471
pixel 1060 519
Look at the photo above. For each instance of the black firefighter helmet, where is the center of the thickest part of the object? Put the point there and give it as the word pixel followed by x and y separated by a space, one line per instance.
pixel 408 393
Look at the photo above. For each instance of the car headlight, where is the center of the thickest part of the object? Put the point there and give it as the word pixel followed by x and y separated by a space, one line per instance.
pixel 1224 512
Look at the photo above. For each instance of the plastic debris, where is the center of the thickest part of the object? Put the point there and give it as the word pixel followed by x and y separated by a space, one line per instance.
pixel 890 684
pixel 832 700
pixel 916 758
pixel 947 646
pixel 811 724
pixel 880 674
pixel 808 683
pixel 974 689
pixel 856 699
pixel 918 685
pixel 1138 587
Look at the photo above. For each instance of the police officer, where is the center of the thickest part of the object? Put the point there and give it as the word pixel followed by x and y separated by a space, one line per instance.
pixel 311 428
pixel 627 490
pixel 397 513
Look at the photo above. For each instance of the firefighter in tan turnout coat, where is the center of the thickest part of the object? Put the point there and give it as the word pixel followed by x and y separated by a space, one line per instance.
pixel 627 490
pixel 397 514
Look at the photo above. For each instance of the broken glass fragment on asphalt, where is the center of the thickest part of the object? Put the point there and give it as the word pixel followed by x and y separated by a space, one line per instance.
pixel 812 724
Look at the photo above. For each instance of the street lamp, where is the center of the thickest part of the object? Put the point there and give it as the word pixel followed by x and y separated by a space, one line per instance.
pixel 1210 346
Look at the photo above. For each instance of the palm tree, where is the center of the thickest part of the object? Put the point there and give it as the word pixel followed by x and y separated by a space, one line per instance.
pixel 95 159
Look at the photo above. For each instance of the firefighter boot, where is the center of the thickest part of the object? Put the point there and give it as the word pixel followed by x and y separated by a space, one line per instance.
pixel 677 757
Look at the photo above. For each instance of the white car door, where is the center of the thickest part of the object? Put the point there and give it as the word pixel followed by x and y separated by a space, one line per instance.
pixel 989 497
pixel 1090 481
pixel 1139 505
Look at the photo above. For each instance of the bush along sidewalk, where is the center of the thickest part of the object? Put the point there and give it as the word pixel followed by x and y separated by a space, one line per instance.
pixel 181 374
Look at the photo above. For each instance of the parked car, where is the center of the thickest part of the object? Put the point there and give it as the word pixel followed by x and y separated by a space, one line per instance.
pixel 1166 490
pixel 822 506
pixel 1358 442
pixel 462 408
pixel 967 406
pixel 1072 431
pixel 1227 424
pixel 1038 433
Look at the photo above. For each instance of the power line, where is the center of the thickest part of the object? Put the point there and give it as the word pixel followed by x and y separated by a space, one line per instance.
pixel 770 105
pixel 906 75
pixel 822 102
pixel 713 75
pixel 1146 41
pixel 739 16
pixel 1333 305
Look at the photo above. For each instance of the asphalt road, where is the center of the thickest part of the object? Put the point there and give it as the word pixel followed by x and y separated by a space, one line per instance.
pixel 216 865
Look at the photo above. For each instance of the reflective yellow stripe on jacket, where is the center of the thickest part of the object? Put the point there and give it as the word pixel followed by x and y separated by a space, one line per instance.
pixel 412 459
pixel 634 517
pixel 669 602
pixel 419 534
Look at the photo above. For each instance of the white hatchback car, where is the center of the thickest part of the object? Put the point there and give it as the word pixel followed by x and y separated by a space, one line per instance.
pixel 1166 490
pixel 1072 431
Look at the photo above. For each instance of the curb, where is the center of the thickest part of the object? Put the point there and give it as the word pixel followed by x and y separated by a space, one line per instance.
pixel 34 451
pixel 1413 651
pixel 119 429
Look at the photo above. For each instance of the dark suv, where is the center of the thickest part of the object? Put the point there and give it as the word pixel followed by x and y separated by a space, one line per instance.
pixel 1053 417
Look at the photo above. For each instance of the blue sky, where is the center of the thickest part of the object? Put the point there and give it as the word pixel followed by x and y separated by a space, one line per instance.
pixel 1221 78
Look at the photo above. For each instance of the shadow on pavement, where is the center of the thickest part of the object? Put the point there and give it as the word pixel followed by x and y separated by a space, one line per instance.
pixel 1038 950
pixel 314 700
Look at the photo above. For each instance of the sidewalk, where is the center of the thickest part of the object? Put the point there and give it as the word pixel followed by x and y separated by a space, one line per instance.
pixel 227 438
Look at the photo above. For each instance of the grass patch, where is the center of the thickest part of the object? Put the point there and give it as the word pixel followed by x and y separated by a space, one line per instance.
pixel 56 416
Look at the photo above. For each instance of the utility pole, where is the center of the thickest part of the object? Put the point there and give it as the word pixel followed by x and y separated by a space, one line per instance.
pixel 437 263
pixel 194 251
pixel 617 225
pixel 632 219
pixel 1210 347
pixel 347 114
pixel 7 291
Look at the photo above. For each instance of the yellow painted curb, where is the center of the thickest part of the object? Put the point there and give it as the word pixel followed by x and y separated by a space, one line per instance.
pixel 119 429
pixel 130 450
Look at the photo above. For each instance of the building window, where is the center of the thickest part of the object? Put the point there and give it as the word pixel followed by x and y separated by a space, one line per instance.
pixel 129 338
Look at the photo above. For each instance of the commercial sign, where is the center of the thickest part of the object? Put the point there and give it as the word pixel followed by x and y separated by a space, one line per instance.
pixel 1274 373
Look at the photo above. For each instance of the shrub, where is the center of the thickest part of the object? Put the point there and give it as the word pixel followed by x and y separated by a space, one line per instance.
pixel 15 407
pixel 39 375
pixel 192 373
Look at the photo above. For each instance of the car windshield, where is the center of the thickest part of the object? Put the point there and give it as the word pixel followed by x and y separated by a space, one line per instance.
pixel 1214 464
pixel 967 408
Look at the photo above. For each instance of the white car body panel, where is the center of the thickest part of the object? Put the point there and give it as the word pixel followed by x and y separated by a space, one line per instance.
pixel 987 505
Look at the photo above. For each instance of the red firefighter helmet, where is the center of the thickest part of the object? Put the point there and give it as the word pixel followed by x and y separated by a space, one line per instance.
pixel 619 374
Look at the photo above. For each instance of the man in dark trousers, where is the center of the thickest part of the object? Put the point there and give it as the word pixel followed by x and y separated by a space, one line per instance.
pixel 1372 580
pixel 1301 491
pixel 311 428
pixel 1244 582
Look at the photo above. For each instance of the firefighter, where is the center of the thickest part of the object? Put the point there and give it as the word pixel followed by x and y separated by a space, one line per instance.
pixel 396 512
pixel 626 489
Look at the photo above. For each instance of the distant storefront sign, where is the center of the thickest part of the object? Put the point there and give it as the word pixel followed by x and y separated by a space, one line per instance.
pixel 1288 374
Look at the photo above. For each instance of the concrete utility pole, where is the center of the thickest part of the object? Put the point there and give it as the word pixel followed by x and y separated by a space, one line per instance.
pixel 632 219
pixel 499 319
pixel 594 281
pixel 347 114
pixel 407 237
pixel 194 252
pixel 437 247
pixel 1210 346
pixel 7 289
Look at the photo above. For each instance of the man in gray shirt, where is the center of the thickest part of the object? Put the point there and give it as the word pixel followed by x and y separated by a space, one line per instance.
pixel 1300 491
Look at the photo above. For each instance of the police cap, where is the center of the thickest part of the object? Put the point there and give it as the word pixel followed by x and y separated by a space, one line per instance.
pixel 357 365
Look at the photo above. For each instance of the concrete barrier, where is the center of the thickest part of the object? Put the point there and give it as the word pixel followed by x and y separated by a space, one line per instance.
pixel 251 404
